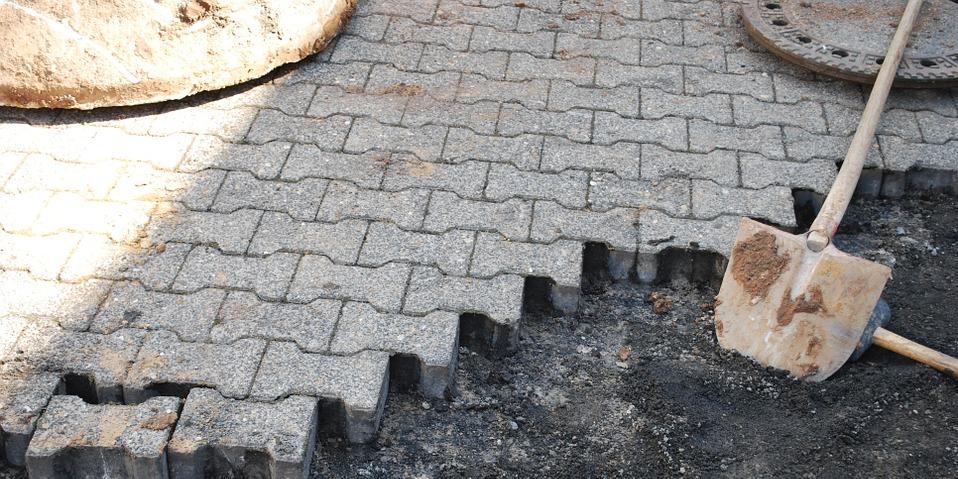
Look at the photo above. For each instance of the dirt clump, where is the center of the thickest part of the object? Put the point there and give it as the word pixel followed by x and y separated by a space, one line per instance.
pixel 403 89
pixel 661 303
pixel 758 264
pixel 810 302
pixel 160 421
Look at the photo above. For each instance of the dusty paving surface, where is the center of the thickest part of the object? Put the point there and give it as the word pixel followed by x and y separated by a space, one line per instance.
pixel 297 235
pixel 680 406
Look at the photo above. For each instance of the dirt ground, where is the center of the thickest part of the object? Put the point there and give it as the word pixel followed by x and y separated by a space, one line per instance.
pixel 620 391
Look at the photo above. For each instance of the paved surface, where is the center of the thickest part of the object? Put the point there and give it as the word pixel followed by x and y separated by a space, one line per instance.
pixel 283 240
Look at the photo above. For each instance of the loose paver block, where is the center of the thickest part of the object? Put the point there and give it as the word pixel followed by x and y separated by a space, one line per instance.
pixel 22 399
pixel 353 388
pixel 79 440
pixel 223 437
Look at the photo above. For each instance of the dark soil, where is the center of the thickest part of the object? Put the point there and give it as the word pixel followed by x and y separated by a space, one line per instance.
pixel 575 401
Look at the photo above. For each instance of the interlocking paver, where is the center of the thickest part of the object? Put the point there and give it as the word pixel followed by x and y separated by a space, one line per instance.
pixel 622 158
pixel 699 81
pixel 523 151
pixel 669 132
pixel 453 37
pixel 575 124
pixel 615 227
pixel 243 315
pixel 623 100
pixel 720 166
pixel 229 232
pixel 425 141
pixel 339 241
pixel 449 251
pixel 425 110
pixel 437 58
pixel 98 257
pixel 129 305
pixel 560 261
pixel 264 160
pixel 499 298
pixel 207 267
pixel 299 199
pixel 716 108
pixel 568 188
pixel 447 211
pixel 319 277
pixel 274 125
pixel 773 203
pixel 23 398
pixel 609 191
pixel 71 304
pixel 308 161
pixel 523 66
pixel 43 257
pixel 610 73
pixel 344 200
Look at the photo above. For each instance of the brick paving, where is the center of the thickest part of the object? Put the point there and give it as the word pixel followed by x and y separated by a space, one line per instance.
pixel 281 240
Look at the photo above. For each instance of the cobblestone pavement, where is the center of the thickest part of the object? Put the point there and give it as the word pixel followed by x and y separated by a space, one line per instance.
pixel 263 253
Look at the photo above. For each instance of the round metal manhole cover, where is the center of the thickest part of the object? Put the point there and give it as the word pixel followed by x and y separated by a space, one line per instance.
pixel 848 38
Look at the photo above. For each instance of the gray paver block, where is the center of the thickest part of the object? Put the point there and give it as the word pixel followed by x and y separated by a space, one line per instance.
pixel 425 142
pixel 230 125
pixel 610 73
pixel 720 166
pixel 145 183
pixel 165 151
pixel 441 85
pixel 353 388
pixel 751 112
pixel 453 37
pixel 121 221
pixel 714 107
pixel 71 305
pixel 568 188
pixel 658 231
pixel 465 179
pixel 575 125
pixel 702 11
pixel 333 100
pixel 623 158
pixel 224 437
pixel 615 227
pixel 623 100
pixel 437 58
pixel 615 27
pixel 42 256
pixel 403 56
pixel 206 267
pixel 98 257
pixel 499 298
pixel 791 89
pixel 700 81
pixel 433 339
pixel 523 66
pixel 503 17
pixel 510 218
pixel 103 358
pixel 273 125
pixel 165 361
pixel 902 156
pixel 843 121
pixel 339 241
pixel 706 136
pixel 419 10
pixel 263 161
pixel 669 132
pixel 529 93
pixel 308 161
pixel 670 194
pixel 479 116
pixel 655 53
pixel 318 277
pixel 560 261
pixel 229 232
pixel 243 315
pixel 583 23
pixel 802 146
pixel 774 203
pixel 523 151
pixel 816 175
pixel 78 440
pixel 936 128
pixel 22 399
pixel 298 199
pixel 625 50
pixel 448 251
pixel 10 329
pixel 919 99
pixel 130 305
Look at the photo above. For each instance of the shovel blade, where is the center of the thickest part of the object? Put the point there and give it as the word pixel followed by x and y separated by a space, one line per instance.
pixel 791 308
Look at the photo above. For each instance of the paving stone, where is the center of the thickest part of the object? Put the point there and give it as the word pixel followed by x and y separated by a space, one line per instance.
pixel 560 261
pixel 499 298
pixel 585 24
pixel 625 50
pixel 774 203
pixel 667 31
pixel 658 231
pixel 343 200
pixel 702 11
pixel 404 56
pixel 62 143
pixel 72 305
pixel 610 73
pixel 224 437
pixel 69 212
pixel 39 172
pixel 292 99
pixel 142 182
pixel 164 152
pixel 319 71
pixel 716 108
pixel 530 93
pixel 720 166
pixel 98 257
pixel 816 175
pixel 936 128
pixel 228 232
pixel 731 36
pixel 925 99
pixel 368 27
pixel 352 389
pixel 449 251
pixel 441 85
pixel 41 256
pixel 543 5
pixel 699 82
pixel 318 277
pixel 436 58
pixel 264 161
pixel 453 37
pixel 419 10
pixel 206 267
pixel 339 241
pixel 465 179
pixel 568 188
pixel 843 121
pixel 752 112
pixel 609 191
pixel 802 146
pixel 903 156
pixel 623 100
pixel 308 161
pixel 272 125
pixel 447 211
pixel 425 142
pixel 298 199
pixel 229 125
pixel 433 339
pixel 523 66
pixel 130 305
pixel 102 358
pixel 789 89
pixel 575 125
pixel 621 158
pixel 243 315
pixel 76 439
pixel 655 53
pixel 540 44
pixel 705 136
pixel 503 17
pixel 669 132
pixel 166 364
pixel 331 101
pixel 23 398
pixel 480 116
pixel 10 161
pixel 10 329
pixel 615 227
pixel 523 151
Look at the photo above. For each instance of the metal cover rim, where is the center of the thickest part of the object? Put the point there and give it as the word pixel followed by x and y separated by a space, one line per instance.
pixel 776 25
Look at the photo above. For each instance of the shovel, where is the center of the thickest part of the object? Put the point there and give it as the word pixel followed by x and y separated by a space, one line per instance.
pixel 797 303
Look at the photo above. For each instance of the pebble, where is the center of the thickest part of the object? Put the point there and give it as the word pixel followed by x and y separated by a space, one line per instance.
pixel 426 405
pixel 513 425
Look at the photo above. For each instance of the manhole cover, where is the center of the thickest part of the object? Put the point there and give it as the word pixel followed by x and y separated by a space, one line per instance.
pixel 848 38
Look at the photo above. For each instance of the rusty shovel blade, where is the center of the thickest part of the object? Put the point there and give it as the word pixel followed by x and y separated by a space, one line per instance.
pixel 791 308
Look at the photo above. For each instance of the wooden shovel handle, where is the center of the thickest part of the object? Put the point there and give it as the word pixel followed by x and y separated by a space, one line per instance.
pixel 913 350
pixel 830 216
